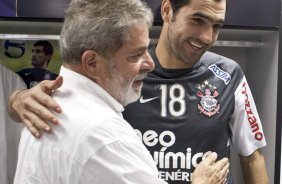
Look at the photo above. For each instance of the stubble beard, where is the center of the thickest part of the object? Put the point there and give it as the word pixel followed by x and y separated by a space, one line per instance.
pixel 179 51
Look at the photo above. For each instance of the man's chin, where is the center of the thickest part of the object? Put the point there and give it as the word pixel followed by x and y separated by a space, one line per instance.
pixel 131 98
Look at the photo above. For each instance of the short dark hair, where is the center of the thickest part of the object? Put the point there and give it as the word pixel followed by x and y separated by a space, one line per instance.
pixel 177 4
pixel 47 46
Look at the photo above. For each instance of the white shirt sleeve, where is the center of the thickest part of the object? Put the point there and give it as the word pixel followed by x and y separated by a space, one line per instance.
pixel 121 163
pixel 246 127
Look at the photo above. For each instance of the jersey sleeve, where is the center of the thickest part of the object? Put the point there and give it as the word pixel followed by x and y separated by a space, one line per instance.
pixel 246 127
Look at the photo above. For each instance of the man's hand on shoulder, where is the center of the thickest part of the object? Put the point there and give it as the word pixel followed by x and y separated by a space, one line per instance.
pixel 33 106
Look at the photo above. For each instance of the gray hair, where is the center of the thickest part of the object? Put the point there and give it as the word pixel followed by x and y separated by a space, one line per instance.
pixel 99 25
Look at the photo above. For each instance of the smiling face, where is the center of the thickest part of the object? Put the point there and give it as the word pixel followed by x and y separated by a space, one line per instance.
pixel 128 66
pixel 192 30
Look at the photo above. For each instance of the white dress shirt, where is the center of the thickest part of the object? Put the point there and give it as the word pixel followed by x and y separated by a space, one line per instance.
pixel 92 143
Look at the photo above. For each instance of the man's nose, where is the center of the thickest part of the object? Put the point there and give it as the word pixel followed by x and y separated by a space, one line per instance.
pixel 206 35
pixel 148 63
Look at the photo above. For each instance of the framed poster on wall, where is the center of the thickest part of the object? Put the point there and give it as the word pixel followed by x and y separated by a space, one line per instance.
pixel 33 60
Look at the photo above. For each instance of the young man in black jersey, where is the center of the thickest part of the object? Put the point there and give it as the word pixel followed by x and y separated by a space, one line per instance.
pixel 192 102
pixel 41 55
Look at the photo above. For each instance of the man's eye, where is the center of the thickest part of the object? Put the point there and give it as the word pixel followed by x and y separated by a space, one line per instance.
pixel 137 56
pixel 198 21
pixel 218 26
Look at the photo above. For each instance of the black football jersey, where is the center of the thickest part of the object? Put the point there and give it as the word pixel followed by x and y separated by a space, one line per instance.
pixel 183 113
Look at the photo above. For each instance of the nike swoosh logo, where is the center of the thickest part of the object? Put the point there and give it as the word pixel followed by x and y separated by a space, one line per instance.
pixel 142 100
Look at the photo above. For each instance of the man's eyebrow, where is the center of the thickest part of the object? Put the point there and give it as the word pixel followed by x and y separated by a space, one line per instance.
pixel 141 49
pixel 210 19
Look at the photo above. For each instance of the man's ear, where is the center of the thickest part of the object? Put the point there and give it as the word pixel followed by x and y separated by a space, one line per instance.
pixel 49 57
pixel 165 10
pixel 89 63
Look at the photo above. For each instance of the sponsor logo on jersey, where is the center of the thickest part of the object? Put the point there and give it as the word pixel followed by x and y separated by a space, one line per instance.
pixel 208 95
pixel 220 73
pixel 175 165
pixel 47 76
pixel 251 117
pixel 142 100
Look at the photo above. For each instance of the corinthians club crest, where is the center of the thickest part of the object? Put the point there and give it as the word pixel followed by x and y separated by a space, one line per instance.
pixel 208 104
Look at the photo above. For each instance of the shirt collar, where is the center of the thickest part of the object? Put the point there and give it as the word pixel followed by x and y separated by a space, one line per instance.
pixel 80 82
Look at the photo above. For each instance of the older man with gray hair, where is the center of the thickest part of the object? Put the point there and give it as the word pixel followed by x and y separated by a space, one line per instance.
pixel 104 48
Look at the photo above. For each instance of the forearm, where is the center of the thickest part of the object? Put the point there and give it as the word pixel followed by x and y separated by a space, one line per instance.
pixel 254 169
pixel 12 112
pixel 34 107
